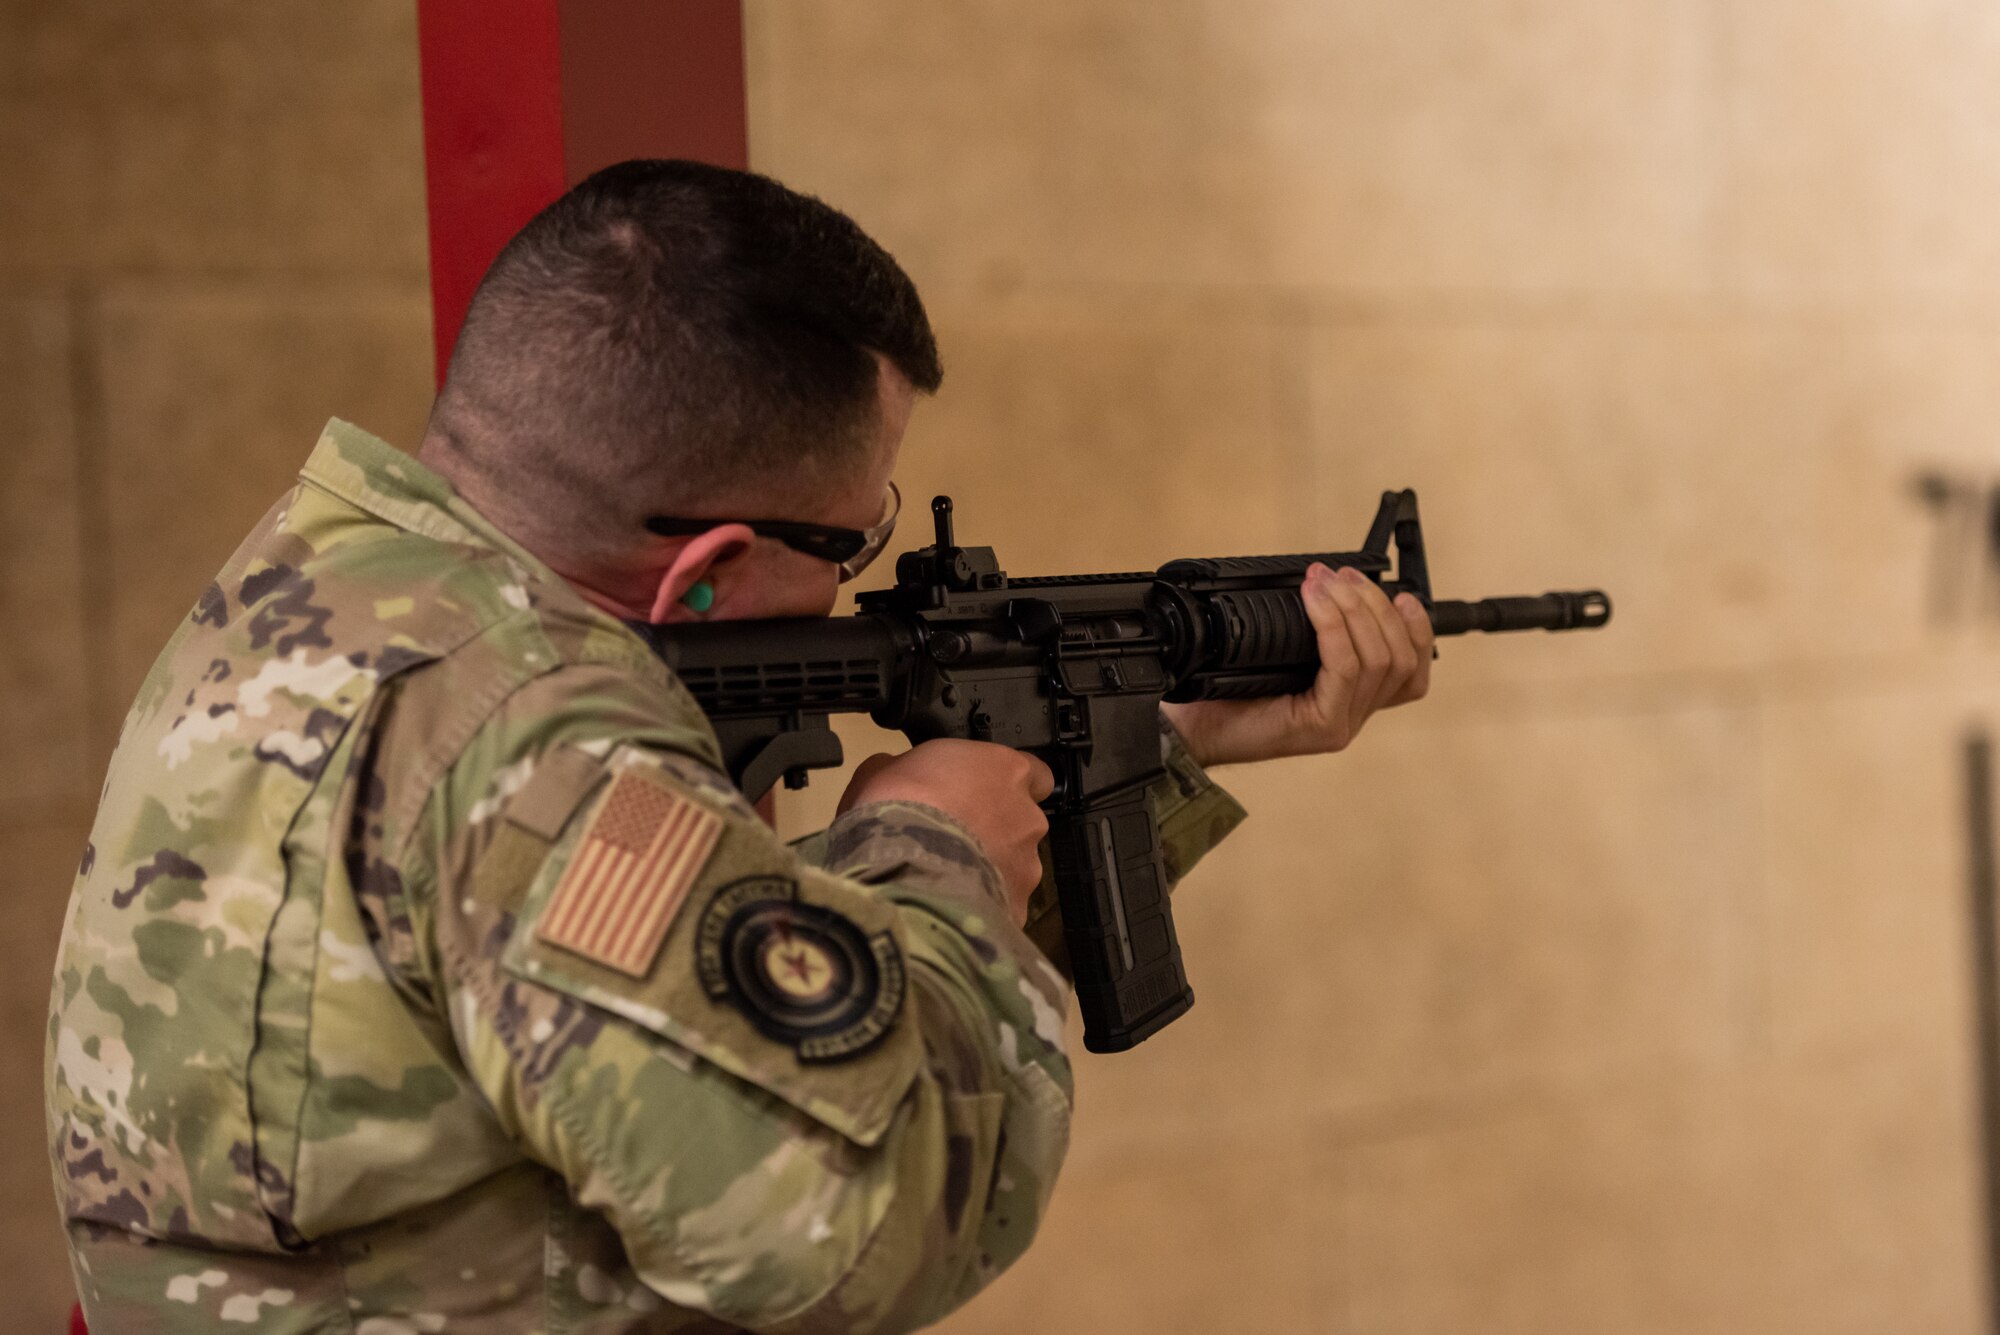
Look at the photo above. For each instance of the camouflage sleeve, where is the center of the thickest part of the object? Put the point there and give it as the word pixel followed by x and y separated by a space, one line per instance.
pixel 812 847
pixel 807 1099
pixel 1194 814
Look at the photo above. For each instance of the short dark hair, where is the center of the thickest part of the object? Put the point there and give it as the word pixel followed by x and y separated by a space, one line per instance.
pixel 668 330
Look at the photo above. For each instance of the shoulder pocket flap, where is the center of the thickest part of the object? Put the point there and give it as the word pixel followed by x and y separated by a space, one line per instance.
pixel 783 975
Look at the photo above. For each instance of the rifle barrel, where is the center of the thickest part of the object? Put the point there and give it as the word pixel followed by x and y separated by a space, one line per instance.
pixel 1551 611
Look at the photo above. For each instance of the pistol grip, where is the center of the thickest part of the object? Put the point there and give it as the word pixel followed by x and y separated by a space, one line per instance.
pixel 1117 920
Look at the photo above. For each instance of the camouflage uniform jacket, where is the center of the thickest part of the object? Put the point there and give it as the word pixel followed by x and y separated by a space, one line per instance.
pixel 357 1028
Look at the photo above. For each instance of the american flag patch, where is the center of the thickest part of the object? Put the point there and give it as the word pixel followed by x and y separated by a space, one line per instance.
pixel 640 854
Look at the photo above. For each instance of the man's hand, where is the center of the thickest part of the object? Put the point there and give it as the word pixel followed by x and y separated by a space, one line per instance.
pixel 1373 655
pixel 990 789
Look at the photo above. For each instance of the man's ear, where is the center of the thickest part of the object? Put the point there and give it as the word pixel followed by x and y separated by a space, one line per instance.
pixel 702 558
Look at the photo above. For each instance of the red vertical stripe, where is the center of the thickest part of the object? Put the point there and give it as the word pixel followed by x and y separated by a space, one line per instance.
pixel 493 137
pixel 523 98
pixel 647 79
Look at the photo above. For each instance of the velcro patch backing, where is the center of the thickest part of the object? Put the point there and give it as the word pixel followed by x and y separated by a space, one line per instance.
pixel 628 876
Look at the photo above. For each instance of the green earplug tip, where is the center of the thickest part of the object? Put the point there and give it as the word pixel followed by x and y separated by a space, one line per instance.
pixel 701 597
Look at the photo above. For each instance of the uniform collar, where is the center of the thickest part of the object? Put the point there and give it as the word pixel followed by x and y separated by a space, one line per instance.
pixel 373 475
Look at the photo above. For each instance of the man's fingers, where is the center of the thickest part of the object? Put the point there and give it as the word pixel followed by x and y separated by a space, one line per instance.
pixel 1422 638
pixel 1369 645
pixel 1041 779
pixel 1396 635
pixel 1339 665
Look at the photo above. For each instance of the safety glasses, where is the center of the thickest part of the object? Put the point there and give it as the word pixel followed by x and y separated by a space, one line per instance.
pixel 852 549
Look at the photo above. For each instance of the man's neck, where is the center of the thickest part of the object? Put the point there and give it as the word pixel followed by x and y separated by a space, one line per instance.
pixel 625 604
pixel 625 594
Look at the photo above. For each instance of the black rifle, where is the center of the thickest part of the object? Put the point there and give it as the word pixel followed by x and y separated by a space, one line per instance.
pixel 1071 668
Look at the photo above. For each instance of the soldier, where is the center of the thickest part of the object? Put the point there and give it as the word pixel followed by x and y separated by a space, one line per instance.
pixel 424 972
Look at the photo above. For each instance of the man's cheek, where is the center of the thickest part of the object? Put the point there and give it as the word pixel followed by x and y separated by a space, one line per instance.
pixel 793 598
pixel 816 593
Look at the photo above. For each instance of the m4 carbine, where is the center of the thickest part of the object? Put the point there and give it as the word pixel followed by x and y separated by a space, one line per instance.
pixel 1071 668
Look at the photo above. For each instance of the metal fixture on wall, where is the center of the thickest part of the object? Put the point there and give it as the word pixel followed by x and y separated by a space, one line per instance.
pixel 1983 881
pixel 1965 546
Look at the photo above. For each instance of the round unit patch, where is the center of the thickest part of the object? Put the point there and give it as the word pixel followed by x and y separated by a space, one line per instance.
pixel 802 974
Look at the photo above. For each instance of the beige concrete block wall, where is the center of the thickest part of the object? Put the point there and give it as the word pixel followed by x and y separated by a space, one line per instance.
pixel 1622 986
pixel 211 239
